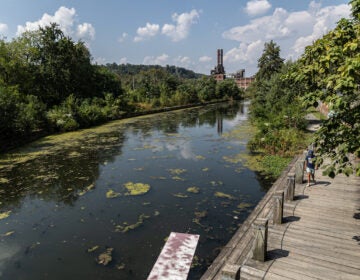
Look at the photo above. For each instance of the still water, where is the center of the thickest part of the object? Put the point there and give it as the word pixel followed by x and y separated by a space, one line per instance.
pixel 63 201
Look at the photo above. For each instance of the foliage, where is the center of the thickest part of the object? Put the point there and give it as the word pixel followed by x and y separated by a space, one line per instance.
pixel 130 70
pixel 276 109
pixel 270 61
pixel 274 164
pixel 47 84
pixel 330 72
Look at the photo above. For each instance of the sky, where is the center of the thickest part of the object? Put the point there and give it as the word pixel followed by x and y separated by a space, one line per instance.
pixel 184 33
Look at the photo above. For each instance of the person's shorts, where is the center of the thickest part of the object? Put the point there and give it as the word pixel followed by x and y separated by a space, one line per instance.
pixel 310 170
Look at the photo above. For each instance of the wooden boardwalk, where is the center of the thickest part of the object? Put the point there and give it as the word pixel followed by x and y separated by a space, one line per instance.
pixel 318 239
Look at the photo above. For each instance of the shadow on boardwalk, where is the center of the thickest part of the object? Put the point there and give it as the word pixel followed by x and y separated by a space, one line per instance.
pixel 319 237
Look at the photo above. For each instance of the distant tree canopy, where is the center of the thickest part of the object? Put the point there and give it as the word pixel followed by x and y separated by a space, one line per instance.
pixel 48 83
pixel 132 69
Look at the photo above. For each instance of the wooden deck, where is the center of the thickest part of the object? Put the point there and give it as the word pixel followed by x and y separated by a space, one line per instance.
pixel 318 239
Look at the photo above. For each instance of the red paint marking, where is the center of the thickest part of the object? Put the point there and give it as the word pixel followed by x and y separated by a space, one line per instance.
pixel 175 258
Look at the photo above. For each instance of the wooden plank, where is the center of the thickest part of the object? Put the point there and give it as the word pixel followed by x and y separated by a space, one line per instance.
pixel 319 244
pixel 316 242
pixel 315 270
pixel 313 238
pixel 175 258
pixel 324 261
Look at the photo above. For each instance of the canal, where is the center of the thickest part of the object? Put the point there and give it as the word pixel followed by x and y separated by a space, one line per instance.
pixel 120 189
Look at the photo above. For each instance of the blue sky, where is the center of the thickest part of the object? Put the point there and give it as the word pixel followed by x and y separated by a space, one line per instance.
pixel 184 33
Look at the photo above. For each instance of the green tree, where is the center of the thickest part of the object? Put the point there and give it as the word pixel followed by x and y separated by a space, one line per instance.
pixel 330 72
pixel 228 89
pixel 206 88
pixel 270 61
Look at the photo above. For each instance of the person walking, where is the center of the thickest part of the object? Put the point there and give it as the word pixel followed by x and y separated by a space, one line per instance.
pixel 310 166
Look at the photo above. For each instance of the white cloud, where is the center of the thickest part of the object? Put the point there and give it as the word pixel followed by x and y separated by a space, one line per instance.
pixel 66 19
pixel 324 21
pixel 205 59
pixel 147 31
pixel 85 31
pixel 292 31
pixel 245 52
pixel 99 61
pixel 181 29
pixel 183 61
pixel 63 16
pixel 159 60
pixel 257 7
pixel 123 60
pixel 3 28
pixel 123 37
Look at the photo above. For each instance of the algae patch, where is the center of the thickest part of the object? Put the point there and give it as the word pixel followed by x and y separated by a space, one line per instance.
pixel 87 189
pixel 243 205
pixel 127 228
pixel 177 171
pixel 5 215
pixel 193 190
pixel 180 195
pixel 106 257
pixel 111 194
pixel 136 188
pixel 224 195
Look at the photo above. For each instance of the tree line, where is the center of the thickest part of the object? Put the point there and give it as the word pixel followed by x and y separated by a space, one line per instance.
pixel 48 83
pixel 327 72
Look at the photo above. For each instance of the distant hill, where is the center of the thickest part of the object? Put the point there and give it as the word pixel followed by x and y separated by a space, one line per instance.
pixel 132 69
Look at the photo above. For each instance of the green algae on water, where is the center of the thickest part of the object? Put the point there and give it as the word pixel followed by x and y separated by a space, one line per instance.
pixel 193 189
pixel 177 178
pixel 111 194
pixel 3 180
pixel 136 188
pixel 198 216
pixel 177 171
pixel 180 195
pixel 218 183
pixel 87 189
pixel 4 215
pixel 224 195
pixel 9 233
pixel 243 205
pixel 127 228
pixel 106 257
pixel 92 249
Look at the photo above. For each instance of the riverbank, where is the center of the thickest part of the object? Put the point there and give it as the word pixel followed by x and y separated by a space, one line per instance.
pixel 7 145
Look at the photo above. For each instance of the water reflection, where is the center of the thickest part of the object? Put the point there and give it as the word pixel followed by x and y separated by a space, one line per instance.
pixel 60 216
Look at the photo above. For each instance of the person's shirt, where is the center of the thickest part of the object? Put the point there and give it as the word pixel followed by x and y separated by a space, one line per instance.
pixel 310 161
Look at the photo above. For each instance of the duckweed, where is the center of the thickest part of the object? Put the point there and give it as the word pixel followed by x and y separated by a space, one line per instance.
pixel 180 195
pixel 111 194
pixel 92 249
pixel 5 215
pixel 127 228
pixel 88 188
pixel 243 205
pixel 193 190
pixel 106 257
pixel 136 188
pixel 177 178
pixel 177 171
pixel 224 195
